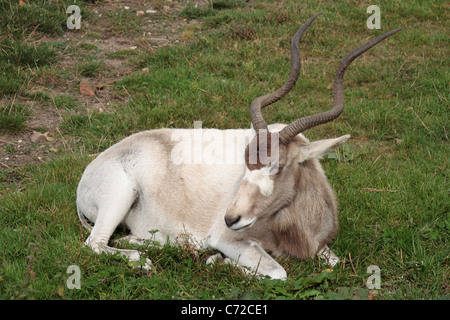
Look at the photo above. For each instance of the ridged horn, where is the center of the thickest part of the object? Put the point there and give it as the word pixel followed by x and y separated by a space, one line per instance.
pixel 263 101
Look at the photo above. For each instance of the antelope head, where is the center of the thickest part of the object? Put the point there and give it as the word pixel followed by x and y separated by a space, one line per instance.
pixel 274 160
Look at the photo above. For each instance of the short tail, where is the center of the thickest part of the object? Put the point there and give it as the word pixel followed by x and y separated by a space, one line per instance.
pixel 83 220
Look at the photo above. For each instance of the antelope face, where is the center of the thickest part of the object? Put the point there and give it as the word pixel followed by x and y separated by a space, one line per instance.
pixel 265 189
pixel 265 177
pixel 260 194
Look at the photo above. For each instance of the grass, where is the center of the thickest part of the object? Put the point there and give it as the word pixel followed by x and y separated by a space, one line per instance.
pixel 391 179
pixel 124 22
pixel 13 117
pixel 17 58
pixel 90 68
pixel 19 21
pixel 22 53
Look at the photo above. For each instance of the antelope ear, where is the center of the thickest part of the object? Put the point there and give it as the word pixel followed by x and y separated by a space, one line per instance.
pixel 317 149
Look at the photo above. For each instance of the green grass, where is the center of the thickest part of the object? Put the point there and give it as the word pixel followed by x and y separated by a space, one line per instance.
pixel 21 50
pixel 18 58
pixel 391 179
pixel 124 22
pixel 23 54
pixel 65 102
pixel 13 117
pixel 19 21
pixel 91 68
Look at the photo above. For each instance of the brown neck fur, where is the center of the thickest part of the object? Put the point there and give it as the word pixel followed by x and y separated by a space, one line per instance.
pixel 309 221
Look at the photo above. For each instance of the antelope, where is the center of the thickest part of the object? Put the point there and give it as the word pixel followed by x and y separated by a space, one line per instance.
pixel 276 199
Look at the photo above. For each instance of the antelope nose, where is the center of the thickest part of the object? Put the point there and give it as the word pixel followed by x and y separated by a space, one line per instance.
pixel 232 220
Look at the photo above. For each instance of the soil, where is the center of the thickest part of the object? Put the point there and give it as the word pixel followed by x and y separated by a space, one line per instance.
pixel 161 26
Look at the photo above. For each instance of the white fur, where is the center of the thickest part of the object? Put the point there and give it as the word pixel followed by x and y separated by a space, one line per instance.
pixel 261 178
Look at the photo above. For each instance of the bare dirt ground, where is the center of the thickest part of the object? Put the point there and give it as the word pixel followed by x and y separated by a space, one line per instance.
pixel 106 30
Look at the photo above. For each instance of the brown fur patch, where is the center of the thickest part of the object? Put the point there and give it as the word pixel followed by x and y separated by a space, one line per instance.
pixel 310 220
pixel 258 152
pixel 290 237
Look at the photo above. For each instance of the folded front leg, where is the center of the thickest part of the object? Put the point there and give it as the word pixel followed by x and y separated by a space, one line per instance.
pixel 249 254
